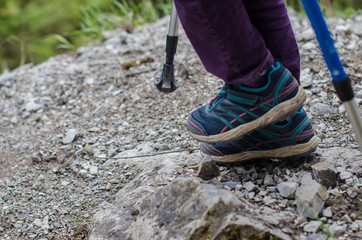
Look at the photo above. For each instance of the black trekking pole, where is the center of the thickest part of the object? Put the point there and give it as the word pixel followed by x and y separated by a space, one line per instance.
pixel 341 82
pixel 166 82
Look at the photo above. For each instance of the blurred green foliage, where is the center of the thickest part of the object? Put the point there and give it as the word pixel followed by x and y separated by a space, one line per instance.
pixel 331 8
pixel 25 27
pixel 33 30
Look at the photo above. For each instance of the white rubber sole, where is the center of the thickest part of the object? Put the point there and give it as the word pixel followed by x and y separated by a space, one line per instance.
pixel 279 112
pixel 284 152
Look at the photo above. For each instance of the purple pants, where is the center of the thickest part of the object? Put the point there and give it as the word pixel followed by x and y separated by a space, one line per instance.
pixel 238 39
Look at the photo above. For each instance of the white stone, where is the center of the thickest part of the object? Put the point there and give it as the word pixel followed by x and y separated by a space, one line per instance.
pixel 89 81
pixel 32 106
pixel 83 172
pixel 312 226
pixel 268 200
pixel 93 170
pixel 287 189
pixel 320 109
pixel 70 136
pixel 64 183
pixel 271 219
pixel 249 186
pixel 38 222
pixel 345 175
pixel 327 212
pixel 338 229
pixel 310 197
pixel 308 34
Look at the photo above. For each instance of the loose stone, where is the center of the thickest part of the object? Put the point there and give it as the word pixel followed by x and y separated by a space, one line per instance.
pixel 249 186
pixel 93 170
pixel 70 136
pixel 208 169
pixel 312 226
pixel 327 212
pixel 325 174
pixel 345 175
pixel 310 198
pixel 287 189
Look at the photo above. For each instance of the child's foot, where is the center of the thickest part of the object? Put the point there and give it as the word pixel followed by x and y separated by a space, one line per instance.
pixel 238 110
pixel 287 139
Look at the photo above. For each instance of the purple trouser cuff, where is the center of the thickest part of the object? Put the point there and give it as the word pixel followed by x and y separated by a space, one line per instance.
pixel 236 40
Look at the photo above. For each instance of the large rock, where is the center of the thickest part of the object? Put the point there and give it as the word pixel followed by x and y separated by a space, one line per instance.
pixel 341 157
pixel 310 197
pixel 155 206
pixel 184 209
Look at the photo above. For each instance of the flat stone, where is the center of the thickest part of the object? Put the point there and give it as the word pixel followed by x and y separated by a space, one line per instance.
pixel 307 34
pixel 70 136
pixel 338 229
pixel 312 226
pixel 271 219
pixel 93 170
pixel 184 209
pixel 316 236
pixel 208 169
pixel 32 106
pixel 65 183
pixel 38 222
pixel 325 174
pixel 345 175
pixel 88 191
pixel 287 189
pixel 250 186
pixel 320 109
pixel 269 200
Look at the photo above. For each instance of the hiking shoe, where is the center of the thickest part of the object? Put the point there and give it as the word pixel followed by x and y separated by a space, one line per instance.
pixel 287 139
pixel 238 110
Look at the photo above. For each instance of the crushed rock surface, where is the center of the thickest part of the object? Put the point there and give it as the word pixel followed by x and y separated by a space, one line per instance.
pixel 67 125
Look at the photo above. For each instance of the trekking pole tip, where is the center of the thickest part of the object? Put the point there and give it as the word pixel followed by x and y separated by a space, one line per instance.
pixel 167 83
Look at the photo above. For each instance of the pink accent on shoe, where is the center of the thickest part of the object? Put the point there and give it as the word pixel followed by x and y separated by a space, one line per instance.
pixel 255 108
pixel 196 127
pixel 211 101
pixel 288 90
pixel 210 150
pixel 225 128
pixel 306 134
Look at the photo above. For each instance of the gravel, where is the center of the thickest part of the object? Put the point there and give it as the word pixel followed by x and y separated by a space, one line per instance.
pixel 67 123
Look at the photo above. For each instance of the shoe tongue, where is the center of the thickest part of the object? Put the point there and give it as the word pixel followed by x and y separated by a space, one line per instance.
pixel 221 94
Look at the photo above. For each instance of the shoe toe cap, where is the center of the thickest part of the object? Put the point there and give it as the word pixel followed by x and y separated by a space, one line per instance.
pixel 209 149
pixel 195 127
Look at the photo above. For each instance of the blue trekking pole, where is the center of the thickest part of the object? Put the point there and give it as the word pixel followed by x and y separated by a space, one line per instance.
pixel 341 81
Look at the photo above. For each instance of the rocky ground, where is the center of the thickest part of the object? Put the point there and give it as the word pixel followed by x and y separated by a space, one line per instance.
pixel 81 131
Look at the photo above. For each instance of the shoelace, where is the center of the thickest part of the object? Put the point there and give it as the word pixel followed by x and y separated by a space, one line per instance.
pixel 222 94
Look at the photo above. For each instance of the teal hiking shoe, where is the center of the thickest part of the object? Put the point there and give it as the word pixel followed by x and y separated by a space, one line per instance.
pixel 287 139
pixel 238 110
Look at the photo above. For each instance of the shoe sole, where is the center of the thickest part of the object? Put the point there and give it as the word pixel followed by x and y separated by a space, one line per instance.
pixel 295 151
pixel 277 113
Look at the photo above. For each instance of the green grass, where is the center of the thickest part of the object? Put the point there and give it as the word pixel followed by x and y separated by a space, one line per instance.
pixel 332 8
pixel 34 30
